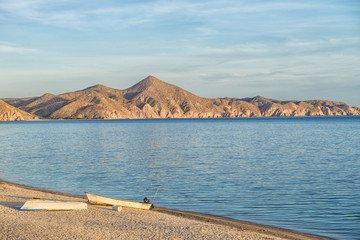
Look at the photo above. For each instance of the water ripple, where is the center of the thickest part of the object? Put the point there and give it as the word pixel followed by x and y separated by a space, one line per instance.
pixel 296 173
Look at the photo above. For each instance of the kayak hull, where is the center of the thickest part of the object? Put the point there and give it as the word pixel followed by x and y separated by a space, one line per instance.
pixel 100 200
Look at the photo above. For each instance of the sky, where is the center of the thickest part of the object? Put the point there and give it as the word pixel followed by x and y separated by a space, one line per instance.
pixel 280 49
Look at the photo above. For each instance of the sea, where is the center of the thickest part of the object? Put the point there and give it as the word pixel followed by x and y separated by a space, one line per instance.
pixel 297 173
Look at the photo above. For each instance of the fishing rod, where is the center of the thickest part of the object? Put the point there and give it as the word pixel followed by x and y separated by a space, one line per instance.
pixel 153 199
pixel 146 200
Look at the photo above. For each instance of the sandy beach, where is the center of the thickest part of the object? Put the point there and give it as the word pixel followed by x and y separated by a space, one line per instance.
pixel 101 222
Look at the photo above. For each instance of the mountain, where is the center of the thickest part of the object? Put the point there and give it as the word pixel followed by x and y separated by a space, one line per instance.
pixel 153 98
pixel 10 113
pixel 159 99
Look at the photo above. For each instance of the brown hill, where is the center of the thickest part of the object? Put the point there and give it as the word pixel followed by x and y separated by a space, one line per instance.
pixel 159 99
pixel 153 98
pixel 10 113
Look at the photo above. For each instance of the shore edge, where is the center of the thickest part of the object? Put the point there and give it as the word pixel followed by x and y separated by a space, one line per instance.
pixel 241 225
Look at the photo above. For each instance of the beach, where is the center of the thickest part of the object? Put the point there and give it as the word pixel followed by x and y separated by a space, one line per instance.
pixel 102 222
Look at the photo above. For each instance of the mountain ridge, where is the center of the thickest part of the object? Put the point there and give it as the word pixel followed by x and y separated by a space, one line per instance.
pixel 154 98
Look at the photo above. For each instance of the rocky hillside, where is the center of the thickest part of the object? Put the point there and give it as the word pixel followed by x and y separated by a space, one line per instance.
pixel 153 98
pixel 10 113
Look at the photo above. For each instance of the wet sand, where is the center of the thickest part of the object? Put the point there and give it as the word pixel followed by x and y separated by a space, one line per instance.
pixel 101 222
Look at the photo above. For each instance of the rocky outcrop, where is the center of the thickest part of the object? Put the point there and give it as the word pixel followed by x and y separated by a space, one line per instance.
pixel 153 98
pixel 10 113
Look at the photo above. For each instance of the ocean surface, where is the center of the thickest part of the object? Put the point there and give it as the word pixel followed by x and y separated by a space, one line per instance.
pixel 298 173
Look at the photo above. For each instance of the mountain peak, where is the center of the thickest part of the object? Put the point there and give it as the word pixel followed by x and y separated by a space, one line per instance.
pixel 148 82
pixel 97 86
pixel 151 77
pixel 151 80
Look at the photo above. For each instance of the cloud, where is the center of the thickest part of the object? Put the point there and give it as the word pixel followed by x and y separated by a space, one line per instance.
pixel 81 14
pixel 227 42
pixel 87 14
pixel 17 50
pixel 239 51
pixel 207 31
pixel 61 13
pixel 209 18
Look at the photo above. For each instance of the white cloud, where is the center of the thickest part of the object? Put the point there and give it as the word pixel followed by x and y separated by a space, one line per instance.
pixel 82 14
pixel 18 50
pixel 234 52
pixel 207 31
pixel 72 15
pixel 58 13
pixel 209 17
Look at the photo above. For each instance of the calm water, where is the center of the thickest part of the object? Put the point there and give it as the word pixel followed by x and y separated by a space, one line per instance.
pixel 295 173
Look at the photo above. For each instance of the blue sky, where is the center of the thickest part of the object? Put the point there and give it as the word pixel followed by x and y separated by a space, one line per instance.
pixel 294 49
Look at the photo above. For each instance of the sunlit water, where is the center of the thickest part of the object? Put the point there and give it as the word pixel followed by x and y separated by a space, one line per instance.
pixel 296 173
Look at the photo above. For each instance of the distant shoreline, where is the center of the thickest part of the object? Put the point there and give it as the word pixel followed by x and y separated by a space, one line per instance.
pixel 241 226
pixel 217 118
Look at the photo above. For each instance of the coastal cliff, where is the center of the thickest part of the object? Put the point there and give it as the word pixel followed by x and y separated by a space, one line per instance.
pixel 153 98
